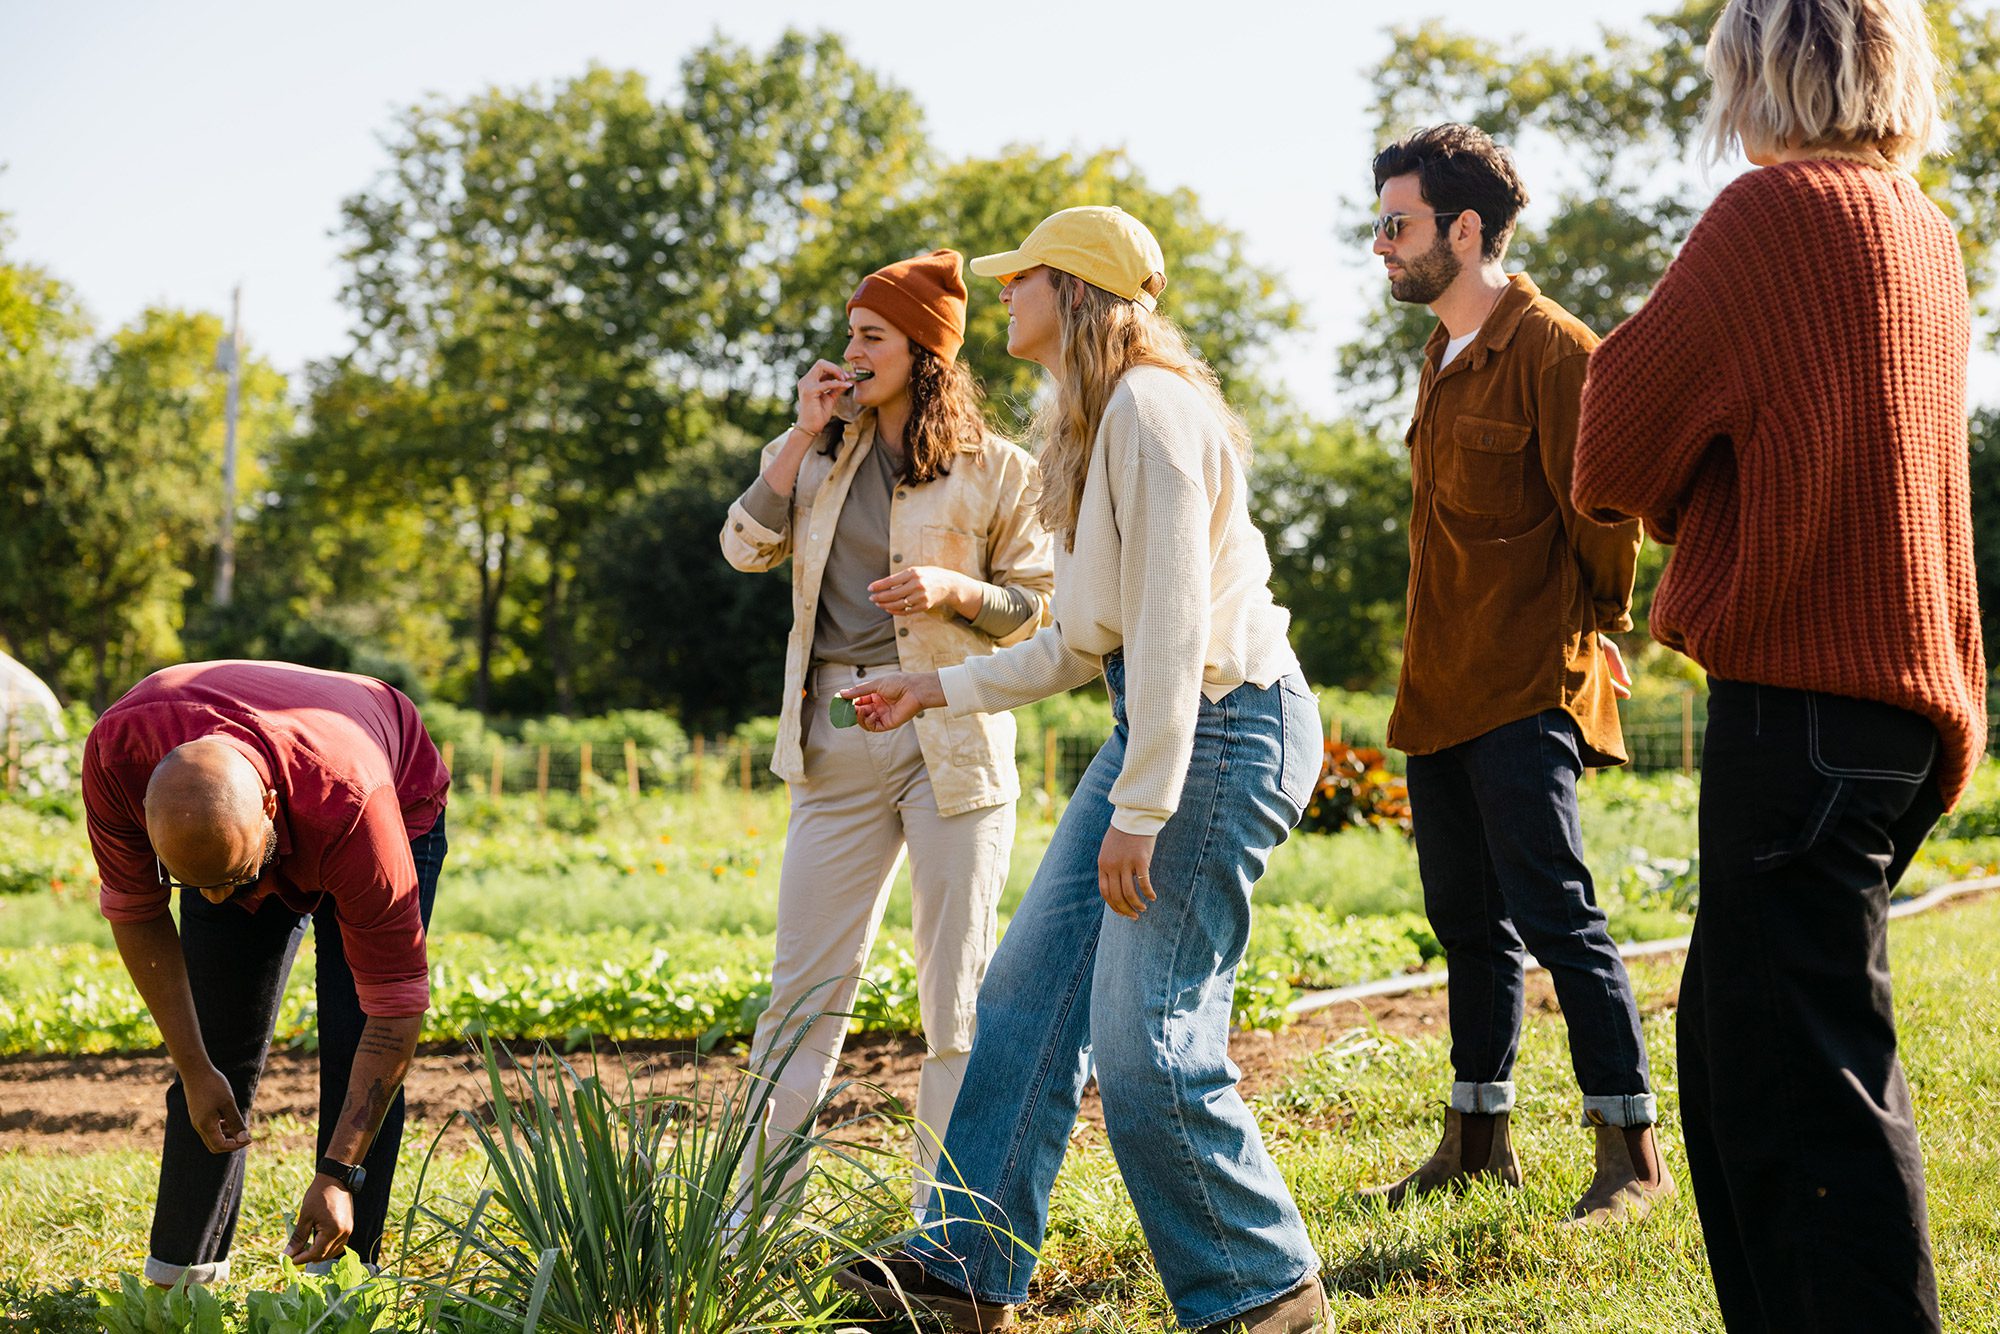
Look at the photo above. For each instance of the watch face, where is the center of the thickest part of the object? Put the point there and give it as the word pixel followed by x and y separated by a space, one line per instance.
pixel 357 1177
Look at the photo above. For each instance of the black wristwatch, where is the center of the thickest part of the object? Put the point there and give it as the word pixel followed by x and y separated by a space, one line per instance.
pixel 348 1176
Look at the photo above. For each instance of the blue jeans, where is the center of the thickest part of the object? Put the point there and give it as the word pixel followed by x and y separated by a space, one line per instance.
pixel 1149 1001
pixel 1500 852
pixel 237 964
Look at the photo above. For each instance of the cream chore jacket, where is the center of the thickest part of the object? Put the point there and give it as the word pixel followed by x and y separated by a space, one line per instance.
pixel 978 520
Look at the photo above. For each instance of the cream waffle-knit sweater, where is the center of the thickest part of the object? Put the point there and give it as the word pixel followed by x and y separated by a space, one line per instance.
pixel 1167 566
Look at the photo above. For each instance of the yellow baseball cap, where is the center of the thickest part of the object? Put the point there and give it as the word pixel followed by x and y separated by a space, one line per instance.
pixel 1105 246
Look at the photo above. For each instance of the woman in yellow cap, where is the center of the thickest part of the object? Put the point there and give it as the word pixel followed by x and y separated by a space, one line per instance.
pixel 1124 951
pixel 912 546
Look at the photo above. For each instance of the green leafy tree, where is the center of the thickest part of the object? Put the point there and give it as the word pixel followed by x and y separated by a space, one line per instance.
pixel 657 571
pixel 110 455
pixel 570 276
pixel 1623 114
pixel 1231 308
pixel 1333 501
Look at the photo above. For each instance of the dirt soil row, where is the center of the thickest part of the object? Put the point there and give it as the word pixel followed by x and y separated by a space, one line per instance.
pixel 86 1104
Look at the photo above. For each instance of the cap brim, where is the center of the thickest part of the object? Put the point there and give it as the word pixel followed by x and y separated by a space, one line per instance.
pixel 1003 265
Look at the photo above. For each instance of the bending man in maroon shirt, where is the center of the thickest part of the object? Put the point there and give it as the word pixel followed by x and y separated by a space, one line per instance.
pixel 278 795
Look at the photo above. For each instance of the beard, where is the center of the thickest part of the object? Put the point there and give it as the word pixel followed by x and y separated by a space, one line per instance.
pixel 1426 277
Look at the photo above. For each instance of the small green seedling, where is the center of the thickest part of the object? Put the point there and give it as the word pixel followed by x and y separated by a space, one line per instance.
pixel 842 712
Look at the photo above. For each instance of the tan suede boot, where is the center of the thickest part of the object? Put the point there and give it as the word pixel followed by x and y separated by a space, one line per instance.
pixel 1447 1168
pixel 1620 1191
pixel 1303 1310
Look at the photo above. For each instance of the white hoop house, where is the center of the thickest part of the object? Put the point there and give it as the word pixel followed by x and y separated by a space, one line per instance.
pixel 31 728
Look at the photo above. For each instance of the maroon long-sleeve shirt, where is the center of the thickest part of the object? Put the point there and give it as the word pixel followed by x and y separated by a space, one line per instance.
pixel 356 776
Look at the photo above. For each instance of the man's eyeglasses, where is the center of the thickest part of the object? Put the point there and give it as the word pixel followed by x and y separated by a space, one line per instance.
pixel 270 854
pixel 1389 226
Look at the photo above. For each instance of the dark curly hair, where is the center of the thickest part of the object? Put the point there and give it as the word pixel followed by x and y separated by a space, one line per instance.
pixel 1459 167
pixel 944 414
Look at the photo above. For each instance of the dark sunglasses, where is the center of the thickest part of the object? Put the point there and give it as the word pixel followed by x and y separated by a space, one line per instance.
pixel 1389 226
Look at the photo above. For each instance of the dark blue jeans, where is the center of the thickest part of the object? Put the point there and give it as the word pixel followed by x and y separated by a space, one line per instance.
pixel 237 964
pixel 1801 1141
pixel 1500 850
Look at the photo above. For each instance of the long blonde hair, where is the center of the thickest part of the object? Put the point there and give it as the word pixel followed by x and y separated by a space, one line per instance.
pixel 1855 78
pixel 1104 336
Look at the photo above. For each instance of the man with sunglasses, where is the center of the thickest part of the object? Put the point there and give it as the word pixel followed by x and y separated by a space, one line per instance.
pixel 271 795
pixel 1509 684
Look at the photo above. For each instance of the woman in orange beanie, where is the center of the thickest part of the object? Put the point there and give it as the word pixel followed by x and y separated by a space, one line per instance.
pixel 913 544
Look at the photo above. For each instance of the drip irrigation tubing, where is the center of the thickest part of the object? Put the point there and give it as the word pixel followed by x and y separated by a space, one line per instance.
pixel 1402 984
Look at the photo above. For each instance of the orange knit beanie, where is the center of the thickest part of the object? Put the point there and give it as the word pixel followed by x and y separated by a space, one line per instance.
pixel 924 297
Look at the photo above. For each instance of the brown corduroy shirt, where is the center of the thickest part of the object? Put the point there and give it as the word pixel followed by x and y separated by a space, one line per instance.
pixel 1509 585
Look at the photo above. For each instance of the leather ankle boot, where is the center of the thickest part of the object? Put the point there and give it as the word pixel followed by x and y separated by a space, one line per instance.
pixel 1448 1169
pixel 1620 1191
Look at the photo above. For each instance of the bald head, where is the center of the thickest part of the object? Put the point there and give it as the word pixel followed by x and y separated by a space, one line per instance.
pixel 208 813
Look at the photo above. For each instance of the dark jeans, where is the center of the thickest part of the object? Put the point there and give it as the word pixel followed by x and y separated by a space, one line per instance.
pixel 237 964
pixel 1800 1140
pixel 1500 850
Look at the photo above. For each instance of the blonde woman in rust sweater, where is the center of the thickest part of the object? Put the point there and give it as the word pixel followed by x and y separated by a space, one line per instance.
pixel 1789 410
pixel 1124 950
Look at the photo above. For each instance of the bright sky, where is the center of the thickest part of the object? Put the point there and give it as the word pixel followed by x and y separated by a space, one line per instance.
pixel 161 153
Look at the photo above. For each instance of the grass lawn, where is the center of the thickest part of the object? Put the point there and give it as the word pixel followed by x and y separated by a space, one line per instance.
pixel 1360 1111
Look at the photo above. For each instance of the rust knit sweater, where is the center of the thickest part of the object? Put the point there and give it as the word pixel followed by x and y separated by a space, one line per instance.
pixel 1788 409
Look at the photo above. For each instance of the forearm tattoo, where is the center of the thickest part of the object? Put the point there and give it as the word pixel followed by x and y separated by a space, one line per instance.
pixel 369 1111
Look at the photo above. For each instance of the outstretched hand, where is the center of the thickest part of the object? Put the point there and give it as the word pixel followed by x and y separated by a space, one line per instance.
pixel 887 702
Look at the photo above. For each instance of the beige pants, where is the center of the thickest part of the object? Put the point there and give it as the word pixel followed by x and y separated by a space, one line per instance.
pixel 867 796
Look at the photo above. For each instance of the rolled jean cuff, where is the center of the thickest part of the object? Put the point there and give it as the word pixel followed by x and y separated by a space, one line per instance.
pixel 1482 1099
pixel 166 1275
pixel 1624 1109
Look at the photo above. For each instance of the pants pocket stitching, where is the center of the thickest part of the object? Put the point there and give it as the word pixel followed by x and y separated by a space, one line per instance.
pixel 1806 841
pixel 1839 771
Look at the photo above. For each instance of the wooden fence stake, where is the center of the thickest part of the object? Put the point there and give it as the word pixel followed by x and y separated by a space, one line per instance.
pixel 631 767
pixel 542 778
pixel 449 753
pixel 1049 768
pixel 583 774
pixel 1687 730
pixel 499 767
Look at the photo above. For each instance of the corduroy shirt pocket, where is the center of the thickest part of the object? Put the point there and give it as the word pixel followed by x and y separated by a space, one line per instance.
pixel 1482 473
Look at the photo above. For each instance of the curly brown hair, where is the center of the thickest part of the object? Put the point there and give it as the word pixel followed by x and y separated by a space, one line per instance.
pixel 944 414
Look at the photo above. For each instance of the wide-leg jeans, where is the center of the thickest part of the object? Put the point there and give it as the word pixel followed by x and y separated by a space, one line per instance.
pixel 1149 1002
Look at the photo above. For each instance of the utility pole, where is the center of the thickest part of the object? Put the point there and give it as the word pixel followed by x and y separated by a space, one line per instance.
pixel 229 357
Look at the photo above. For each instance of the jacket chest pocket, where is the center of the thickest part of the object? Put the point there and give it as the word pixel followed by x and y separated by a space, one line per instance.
pixel 955 549
pixel 1483 470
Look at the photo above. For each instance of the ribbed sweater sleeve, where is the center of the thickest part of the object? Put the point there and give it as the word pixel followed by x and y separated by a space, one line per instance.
pixel 1163 519
pixel 1660 390
pixel 1607 552
pixel 1021 674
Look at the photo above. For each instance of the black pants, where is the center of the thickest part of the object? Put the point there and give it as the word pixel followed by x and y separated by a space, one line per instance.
pixel 237 963
pixel 1500 851
pixel 1800 1140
